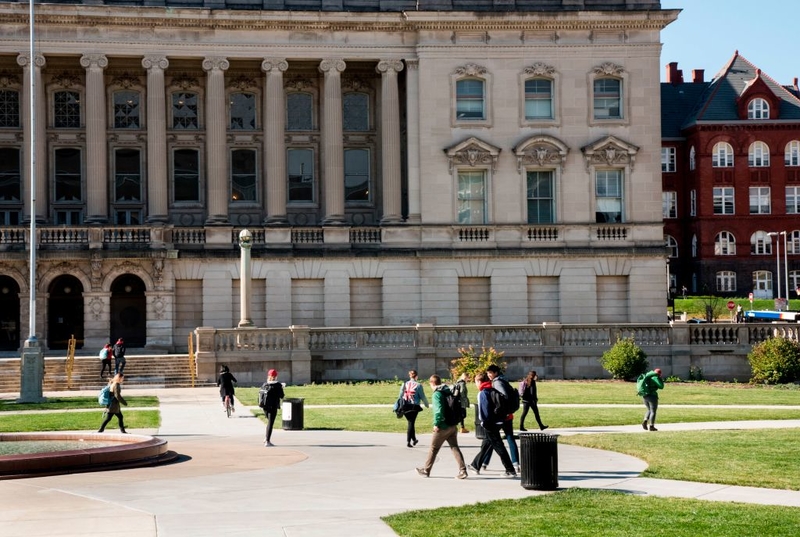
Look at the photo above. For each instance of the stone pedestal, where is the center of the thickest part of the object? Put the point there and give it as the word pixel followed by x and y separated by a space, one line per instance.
pixel 31 373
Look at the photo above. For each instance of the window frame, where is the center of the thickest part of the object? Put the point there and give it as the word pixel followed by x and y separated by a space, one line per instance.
pixel 313 179
pixel 725 198
pixel 760 243
pixel 791 154
pixel 693 202
pixel 312 98
pixel 365 97
pixel 722 155
pixel 8 109
pixel 724 244
pixel 620 184
pixel 540 71
pixel 466 72
pixel 370 177
pixel 552 199
pixel 792 195
pixel 672 246
pixel 763 200
pixel 81 176
pixel 758 108
pixel 669 204
pixel 200 166
pixel 692 158
pixel 11 176
pixel 255 175
pixel 139 106
pixel 71 120
pixel 484 200
pixel 256 109
pixel 198 110
pixel 668 156
pixel 793 242
pixel 758 155
pixel 726 281
pixel 764 277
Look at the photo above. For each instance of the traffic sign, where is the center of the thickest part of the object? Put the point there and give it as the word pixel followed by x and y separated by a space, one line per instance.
pixel 731 305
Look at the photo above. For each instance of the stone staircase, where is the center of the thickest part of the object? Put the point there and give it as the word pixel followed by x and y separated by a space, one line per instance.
pixel 141 371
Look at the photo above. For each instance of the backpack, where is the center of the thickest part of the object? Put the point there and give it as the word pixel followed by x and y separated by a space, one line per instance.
pixel 263 395
pixel 452 409
pixel 642 385
pixel 505 403
pixel 104 397
pixel 103 354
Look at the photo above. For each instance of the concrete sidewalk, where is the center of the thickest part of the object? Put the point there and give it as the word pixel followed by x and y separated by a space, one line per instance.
pixel 313 483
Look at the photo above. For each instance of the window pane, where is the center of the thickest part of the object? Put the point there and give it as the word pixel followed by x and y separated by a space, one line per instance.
pixel 299 112
pixel 9 108
pixel 356 175
pixel 243 175
pixel 186 175
pixel 469 99
pixel 607 98
pixel 538 99
pixel 126 110
pixel 184 111
pixel 355 111
pixel 541 202
pixel 243 111
pixel 300 164
pixel 68 174
pixel 471 197
pixel 67 110
pixel 609 196
pixel 10 183
pixel 127 178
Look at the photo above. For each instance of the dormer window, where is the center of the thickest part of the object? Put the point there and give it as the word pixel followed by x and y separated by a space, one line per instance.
pixel 758 109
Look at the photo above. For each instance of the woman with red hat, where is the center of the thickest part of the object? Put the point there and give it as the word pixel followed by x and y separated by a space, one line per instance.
pixel 270 396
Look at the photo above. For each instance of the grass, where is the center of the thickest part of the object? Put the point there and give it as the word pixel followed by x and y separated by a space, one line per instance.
pixel 76 421
pixel 589 513
pixel 694 306
pixel 70 403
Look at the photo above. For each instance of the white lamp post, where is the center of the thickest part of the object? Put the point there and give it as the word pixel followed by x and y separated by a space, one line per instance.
pixel 777 284
pixel 245 242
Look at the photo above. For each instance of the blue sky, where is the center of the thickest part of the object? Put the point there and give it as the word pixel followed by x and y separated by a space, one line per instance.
pixel 708 32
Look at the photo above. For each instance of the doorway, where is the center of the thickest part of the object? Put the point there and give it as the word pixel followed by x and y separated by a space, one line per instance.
pixel 65 312
pixel 128 311
pixel 9 314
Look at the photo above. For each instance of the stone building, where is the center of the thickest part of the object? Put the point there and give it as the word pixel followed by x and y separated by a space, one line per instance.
pixel 438 161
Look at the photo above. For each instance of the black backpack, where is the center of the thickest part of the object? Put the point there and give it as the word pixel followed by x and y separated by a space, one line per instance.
pixel 507 398
pixel 452 408
pixel 263 395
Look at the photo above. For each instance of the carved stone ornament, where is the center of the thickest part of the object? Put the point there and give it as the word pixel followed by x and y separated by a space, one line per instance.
pixel 412 64
pixel 8 79
pixel 270 64
pixel 385 66
pixel 97 269
pixel 472 152
pixel 242 83
pixel 609 69
pixel 355 83
pixel 332 66
pixel 183 81
pixel 155 62
pixel 125 81
pixel 96 307
pixel 541 152
pixel 159 304
pixel 470 69
pixel 94 60
pixel 610 151
pixel 158 271
pixel 213 64
pixel 297 83
pixel 24 59
pixel 66 80
pixel 540 69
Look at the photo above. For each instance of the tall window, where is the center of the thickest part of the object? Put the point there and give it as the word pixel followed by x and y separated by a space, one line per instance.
pixel 792 154
pixel 759 200
pixel 667 159
pixel 793 200
pixel 694 245
pixel 68 175
pixel 793 242
pixel 243 175
pixel 299 112
pixel 726 281
pixel 186 174
pixel 760 243
pixel 184 111
pixel 758 109
pixel 355 111
pixel 541 197
pixel 608 193
pixel 692 158
pixel 356 175
pixel 9 109
pixel 538 98
pixel 758 155
pixel 300 164
pixel 693 202
pixel 724 243
pixel 762 284
pixel 723 200
pixel 470 99
pixel 608 98
pixel 127 187
pixel 243 111
pixel 669 204
pixel 472 197
pixel 672 247
pixel 10 183
pixel 67 111
pixel 722 155
pixel 794 279
pixel 126 110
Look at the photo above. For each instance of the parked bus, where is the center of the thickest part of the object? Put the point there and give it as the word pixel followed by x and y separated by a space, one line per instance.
pixel 767 316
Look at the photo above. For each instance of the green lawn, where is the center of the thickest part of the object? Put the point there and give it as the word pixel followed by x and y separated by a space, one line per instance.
pixel 76 421
pixel 69 403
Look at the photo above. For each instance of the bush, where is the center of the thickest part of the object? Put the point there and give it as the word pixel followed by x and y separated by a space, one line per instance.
pixel 775 361
pixel 625 360
pixel 471 363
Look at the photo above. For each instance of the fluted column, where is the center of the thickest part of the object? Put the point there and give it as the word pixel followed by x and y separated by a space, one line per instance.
pixel 216 128
pixel 412 133
pixel 157 165
pixel 35 132
pixel 96 153
pixel 390 140
pixel 333 161
pixel 274 145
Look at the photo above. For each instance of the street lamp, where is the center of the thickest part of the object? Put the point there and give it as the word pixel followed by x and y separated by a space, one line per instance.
pixel 777 234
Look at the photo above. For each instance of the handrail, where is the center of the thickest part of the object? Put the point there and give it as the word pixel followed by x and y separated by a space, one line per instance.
pixel 192 360
pixel 70 359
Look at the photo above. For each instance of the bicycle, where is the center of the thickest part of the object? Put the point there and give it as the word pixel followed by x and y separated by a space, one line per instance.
pixel 228 405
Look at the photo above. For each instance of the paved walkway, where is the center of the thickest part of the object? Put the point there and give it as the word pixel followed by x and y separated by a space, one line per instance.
pixel 314 483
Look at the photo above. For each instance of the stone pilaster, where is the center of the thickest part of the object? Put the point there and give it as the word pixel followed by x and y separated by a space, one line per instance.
pixel 96 153
pixel 157 165
pixel 216 128
pixel 274 144
pixel 34 134
pixel 390 140
pixel 412 132
pixel 333 148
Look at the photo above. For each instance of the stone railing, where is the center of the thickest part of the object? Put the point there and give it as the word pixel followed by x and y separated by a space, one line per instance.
pixel 553 350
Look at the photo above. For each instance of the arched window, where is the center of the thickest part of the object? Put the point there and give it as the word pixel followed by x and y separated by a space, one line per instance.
pixel 724 243
pixel 672 247
pixel 758 155
pixel 758 109
pixel 760 243
pixel 726 281
pixel 692 158
pixel 722 155
pixel 792 154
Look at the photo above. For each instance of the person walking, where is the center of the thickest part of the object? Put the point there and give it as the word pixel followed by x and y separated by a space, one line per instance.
pixel 113 408
pixel 105 360
pixel 530 400
pixel 412 393
pixel 119 356
pixel 461 386
pixel 274 394
pixel 647 386
pixel 225 382
pixel 442 430
pixel 491 425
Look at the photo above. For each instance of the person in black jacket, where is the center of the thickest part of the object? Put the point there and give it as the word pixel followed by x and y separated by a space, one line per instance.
pixel 225 382
pixel 274 391
pixel 530 400
pixel 119 356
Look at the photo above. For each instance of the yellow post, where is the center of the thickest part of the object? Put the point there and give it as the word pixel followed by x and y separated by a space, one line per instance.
pixel 70 360
pixel 192 363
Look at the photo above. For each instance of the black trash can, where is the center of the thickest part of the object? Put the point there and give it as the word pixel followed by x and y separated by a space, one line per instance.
pixel 480 432
pixel 538 457
pixel 292 414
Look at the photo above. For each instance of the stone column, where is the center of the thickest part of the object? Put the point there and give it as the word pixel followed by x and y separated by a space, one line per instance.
pixel 333 147
pixel 412 132
pixel 245 279
pixel 274 145
pixel 216 130
pixel 390 140
pixel 36 132
pixel 157 184
pixel 96 152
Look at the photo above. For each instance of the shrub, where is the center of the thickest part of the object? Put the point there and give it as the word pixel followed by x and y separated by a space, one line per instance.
pixel 775 361
pixel 471 362
pixel 625 360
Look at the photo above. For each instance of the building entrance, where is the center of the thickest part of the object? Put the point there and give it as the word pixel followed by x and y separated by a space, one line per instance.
pixel 65 312
pixel 129 311
pixel 9 314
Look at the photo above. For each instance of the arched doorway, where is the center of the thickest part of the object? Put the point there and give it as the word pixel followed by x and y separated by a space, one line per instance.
pixel 9 314
pixel 65 312
pixel 128 311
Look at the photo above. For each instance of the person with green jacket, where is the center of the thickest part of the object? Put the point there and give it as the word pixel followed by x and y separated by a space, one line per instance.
pixel 647 387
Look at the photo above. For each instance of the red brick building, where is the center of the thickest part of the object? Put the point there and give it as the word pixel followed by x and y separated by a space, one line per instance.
pixel 730 162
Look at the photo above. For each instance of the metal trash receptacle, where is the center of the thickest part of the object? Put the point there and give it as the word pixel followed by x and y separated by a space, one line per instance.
pixel 292 414
pixel 538 459
pixel 480 432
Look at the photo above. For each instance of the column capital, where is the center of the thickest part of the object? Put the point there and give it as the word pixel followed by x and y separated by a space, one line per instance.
pixel 330 66
pixel 216 63
pixel 155 61
pixel 384 67
pixel 24 59
pixel 274 64
pixel 89 61
pixel 412 64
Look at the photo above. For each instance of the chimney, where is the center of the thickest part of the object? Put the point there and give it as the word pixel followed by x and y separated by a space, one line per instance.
pixel 674 75
pixel 698 75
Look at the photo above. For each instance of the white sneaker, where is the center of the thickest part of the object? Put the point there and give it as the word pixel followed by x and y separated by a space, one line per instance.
pixel 516 467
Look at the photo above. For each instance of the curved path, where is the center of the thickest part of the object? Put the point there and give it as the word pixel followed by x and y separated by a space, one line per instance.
pixel 313 483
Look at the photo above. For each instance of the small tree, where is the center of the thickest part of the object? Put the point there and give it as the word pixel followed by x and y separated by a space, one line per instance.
pixel 775 361
pixel 470 362
pixel 625 360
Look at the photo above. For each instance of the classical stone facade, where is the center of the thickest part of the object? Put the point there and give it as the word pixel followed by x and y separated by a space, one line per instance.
pixel 396 162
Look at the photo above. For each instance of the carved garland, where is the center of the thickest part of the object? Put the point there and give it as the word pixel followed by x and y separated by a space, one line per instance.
pixel 470 69
pixel 542 155
pixel 540 69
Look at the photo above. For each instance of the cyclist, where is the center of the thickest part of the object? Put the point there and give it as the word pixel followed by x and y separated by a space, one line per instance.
pixel 225 382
